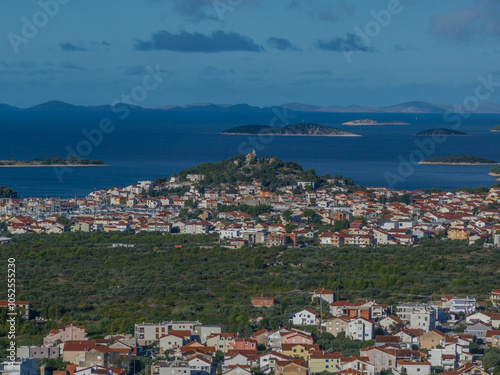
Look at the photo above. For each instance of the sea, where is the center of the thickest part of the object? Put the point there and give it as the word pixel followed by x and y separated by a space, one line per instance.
pixel 144 145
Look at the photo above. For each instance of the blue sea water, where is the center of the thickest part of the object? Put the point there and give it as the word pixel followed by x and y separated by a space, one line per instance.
pixel 150 144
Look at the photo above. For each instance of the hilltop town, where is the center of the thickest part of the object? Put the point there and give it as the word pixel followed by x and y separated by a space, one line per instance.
pixel 290 208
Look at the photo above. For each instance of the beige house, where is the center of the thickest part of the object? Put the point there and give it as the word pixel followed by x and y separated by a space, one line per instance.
pixel 431 340
pixel 67 333
pixel 336 325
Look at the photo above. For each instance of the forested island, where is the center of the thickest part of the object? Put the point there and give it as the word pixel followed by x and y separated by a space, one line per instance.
pixel 6 192
pixel 73 161
pixel 460 160
pixel 373 122
pixel 496 129
pixel 441 132
pixel 307 129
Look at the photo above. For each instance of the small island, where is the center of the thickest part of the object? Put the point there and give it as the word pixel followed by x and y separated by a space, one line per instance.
pixel 459 160
pixel 496 129
pixel 441 132
pixel 373 122
pixel 53 162
pixel 303 130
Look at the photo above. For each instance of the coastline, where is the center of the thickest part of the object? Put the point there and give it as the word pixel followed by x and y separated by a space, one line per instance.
pixel 467 164
pixel 350 123
pixel 296 135
pixel 442 135
pixel 53 165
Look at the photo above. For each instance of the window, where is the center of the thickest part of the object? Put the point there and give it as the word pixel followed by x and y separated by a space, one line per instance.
pixel 375 363
pixel 375 355
pixel 327 366
pixel 383 363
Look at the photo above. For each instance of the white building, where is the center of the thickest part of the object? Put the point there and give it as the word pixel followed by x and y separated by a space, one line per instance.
pixel 305 318
pixel 27 367
pixel 413 368
pixel 359 329
pixel 419 315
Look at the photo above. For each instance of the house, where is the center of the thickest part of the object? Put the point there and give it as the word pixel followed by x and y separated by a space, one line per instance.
pixel 356 366
pixel 262 301
pixel 419 315
pixel 244 344
pixel 478 329
pixel 222 341
pixel 380 358
pixel 391 323
pixel 238 370
pixel 299 350
pixel 431 340
pixel 261 336
pixel 305 317
pixel 360 329
pixel 199 365
pixel 336 325
pixel 480 316
pixel 291 367
pixel 174 339
pixel 321 360
pixel 67 333
pixel 325 294
pixel 495 320
pixel 413 368
pixel 296 338
pixel 495 297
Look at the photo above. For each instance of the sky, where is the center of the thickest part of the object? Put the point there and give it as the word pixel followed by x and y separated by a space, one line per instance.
pixel 260 52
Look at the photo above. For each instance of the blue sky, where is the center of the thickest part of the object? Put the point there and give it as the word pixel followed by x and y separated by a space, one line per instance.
pixel 260 52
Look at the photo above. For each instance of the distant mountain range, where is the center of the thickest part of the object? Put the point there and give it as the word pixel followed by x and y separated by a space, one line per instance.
pixel 409 107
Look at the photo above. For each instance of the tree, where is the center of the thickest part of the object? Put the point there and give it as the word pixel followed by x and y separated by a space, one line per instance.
pixel 62 220
pixel 309 213
pixel 491 358
pixel 5 192
pixel 286 215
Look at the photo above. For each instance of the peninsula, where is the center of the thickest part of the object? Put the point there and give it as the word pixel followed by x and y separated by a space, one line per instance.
pixel 459 160
pixel 52 162
pixel 496 129
pixel 373 122
pixel 441 132
pixel 303 130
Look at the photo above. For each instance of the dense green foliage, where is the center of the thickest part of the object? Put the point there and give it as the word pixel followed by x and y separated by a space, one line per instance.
pixel 496 128
pixel 466 159
pixel 440 132
pixel 295 129
pixel 73 160
pixel 272 173
pixel 6 192
pixel 251 210
pixel 495 170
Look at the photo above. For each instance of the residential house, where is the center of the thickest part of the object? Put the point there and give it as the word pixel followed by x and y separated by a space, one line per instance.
pixel 431 340
pixel 413 368
pixel 360 329
pixel 336 325
pixel 321 360
pixel 305 317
